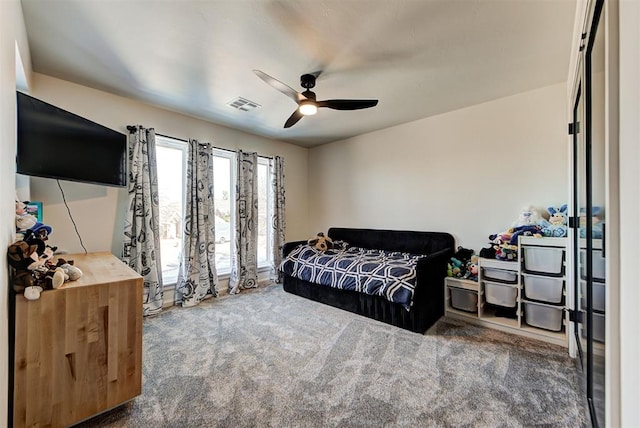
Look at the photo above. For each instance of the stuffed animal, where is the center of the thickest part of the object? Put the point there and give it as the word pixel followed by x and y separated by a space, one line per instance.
pixel 456 267
pixel 529 216
pixel 526 224
pixel 25 221
pixel 463 254
pixel 72 272
pixel 556 226
pixel 321 242
pixel 31 258
pixel 596 223
pixel 472 269
pixel 507 252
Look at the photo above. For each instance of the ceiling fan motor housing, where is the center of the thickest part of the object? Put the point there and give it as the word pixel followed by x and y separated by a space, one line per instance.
pixel 308 81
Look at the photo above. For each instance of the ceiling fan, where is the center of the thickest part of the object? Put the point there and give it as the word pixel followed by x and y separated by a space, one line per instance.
pixel 307 104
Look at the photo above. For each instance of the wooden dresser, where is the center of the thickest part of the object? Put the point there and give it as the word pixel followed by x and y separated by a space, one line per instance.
pixel 78 349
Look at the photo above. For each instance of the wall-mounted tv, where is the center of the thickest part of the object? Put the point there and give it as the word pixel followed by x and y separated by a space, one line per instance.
pixel 55 143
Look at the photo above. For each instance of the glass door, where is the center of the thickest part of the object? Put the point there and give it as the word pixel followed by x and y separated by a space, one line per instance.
pixel 589 213
pixel 594 274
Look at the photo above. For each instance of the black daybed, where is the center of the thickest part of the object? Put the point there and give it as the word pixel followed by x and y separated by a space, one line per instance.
pixel 428 295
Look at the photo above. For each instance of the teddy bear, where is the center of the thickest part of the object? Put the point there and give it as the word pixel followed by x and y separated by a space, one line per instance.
pixel 321 242
pixel 556 226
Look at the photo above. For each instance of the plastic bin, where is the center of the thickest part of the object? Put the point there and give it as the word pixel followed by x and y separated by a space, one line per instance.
pixel 544 260
pixel 598 327
pixel 598 295
pixel 502 275
pixel 544 288
pixel 500 294
pixel 598 265
pixel 465 300
pixel 544 316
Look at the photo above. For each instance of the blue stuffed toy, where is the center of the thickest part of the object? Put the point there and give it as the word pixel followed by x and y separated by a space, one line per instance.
pixel 556 226
pixel 596 223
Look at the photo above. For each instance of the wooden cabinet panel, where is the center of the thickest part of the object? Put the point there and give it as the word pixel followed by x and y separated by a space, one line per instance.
pixel 78 349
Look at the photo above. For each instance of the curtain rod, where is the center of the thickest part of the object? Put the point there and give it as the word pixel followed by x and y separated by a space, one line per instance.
pixel 132 129
pixel 202 144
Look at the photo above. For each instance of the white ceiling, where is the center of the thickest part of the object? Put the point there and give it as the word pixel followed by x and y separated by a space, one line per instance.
pixel 418 57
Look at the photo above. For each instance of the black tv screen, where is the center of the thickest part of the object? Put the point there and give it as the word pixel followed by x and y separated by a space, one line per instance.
pixel 55 143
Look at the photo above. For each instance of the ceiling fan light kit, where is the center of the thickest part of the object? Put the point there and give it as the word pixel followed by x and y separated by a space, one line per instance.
pixel 307 104
pixel 308 108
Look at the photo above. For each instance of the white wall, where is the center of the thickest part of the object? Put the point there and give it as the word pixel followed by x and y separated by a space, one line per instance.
pixel 99 210
pixel 629 230
pixel 466 172
pixel 12 36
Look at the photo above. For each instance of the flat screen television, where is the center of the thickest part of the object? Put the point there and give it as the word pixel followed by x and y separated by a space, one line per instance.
pixel 55 143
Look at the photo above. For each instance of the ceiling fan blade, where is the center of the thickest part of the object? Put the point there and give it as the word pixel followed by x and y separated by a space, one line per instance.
pixel 347 104
pixel 285 89
pixel 293 119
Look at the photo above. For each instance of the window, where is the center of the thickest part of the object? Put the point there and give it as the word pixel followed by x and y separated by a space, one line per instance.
pixel 171 158
pixel 224 195
pixel 264 213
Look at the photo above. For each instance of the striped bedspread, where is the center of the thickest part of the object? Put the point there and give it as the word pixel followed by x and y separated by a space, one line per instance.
pixel 391 275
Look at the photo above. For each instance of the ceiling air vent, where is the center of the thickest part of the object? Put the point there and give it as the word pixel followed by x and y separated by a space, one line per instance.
pixel 243 104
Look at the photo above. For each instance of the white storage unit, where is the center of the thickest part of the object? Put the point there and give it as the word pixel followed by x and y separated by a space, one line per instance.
pixel 525 297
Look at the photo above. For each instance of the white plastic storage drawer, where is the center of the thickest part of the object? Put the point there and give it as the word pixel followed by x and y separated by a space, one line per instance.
pixel 598 327
pixel 598 295
pixel 502 275
pixel 500 294
pixel 544 288
pixel 544 316
pixel 598 265
pixel 543 260
pixel 465 300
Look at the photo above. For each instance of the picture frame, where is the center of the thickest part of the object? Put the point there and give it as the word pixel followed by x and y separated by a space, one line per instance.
pixel 35 209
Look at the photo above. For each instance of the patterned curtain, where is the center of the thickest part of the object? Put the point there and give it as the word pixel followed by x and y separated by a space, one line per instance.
pixel 244 266
pixel 276 167
pixel 141 238
pixel 198 276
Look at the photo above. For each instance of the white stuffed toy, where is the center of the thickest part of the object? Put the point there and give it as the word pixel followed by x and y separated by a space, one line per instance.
pixel 526 224
pixel 529 216
pixel 24 220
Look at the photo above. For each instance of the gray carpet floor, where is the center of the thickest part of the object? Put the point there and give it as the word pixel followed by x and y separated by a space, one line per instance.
pixel 266 358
